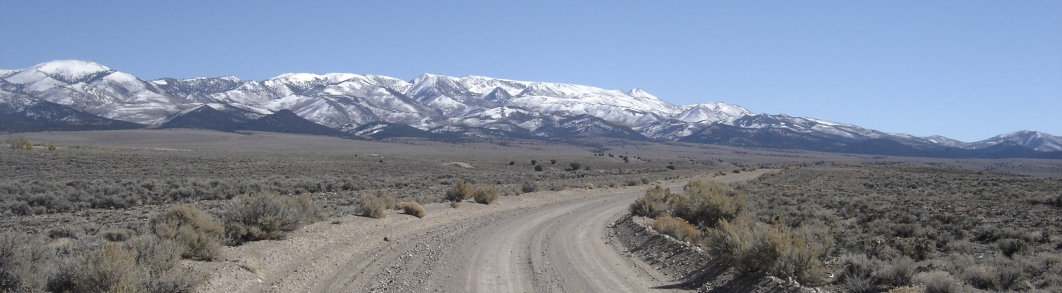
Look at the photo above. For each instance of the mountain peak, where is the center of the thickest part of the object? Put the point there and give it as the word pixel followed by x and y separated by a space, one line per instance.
pixel 712 113
pixel 71 70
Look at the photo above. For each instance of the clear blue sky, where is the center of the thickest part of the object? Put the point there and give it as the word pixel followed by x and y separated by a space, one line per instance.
pixel 963 69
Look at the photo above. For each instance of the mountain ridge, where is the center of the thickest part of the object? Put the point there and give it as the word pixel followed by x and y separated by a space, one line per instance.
pixel 443 105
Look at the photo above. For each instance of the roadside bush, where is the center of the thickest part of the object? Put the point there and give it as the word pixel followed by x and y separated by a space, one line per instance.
pixel 108 268
pixel 265 216
pixel 413 208
pixel 195 231
pixel 485 194
pixel 705 203
pixel 159 267
pixel 744 244
pixel 752 246
pixel 461 191
pixel 376 205
pixel 654 204
pixel 678 228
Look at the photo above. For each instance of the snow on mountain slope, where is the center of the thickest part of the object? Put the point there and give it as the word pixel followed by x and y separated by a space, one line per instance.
pixel 1035 140
pixel 711 113
pixel 455 96
pixel 611 105
pixel 70 71
pixel 96 89
pixel 443 104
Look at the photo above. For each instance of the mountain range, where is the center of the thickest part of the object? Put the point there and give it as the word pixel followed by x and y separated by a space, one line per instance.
pixel 80 95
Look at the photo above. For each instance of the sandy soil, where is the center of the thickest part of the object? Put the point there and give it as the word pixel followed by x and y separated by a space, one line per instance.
pixel 545 241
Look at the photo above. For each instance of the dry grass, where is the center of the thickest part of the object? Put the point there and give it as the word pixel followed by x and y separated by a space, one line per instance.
pixel 485 194
pixel 413 208
pixel 377 204
pixel 677 228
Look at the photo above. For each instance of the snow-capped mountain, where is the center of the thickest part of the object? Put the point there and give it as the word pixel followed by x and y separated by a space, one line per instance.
pixel 438 106
pixel 1038 141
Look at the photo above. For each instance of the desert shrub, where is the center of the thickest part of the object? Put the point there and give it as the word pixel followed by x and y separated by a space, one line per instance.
pixel 20 208
pixel 896 272
pixel 937 282
pixel 981 277
pixel 485 194
pixel 858 272
pixel 413 208
pixel 159 267
pixel 752 246
pixel 195 231
pixel 654 204
pixel 538 168
pixel 115 235
pixel 801 253
pixel 375 205
pixel 108 268
pixel 705 203
pixel 908 289
pixel 678 228
pixel 1008 274
pixel 250 217
pixel 744 244
pixel 22 143
pixel 64 232
pixel 528 186
pixel 1011 246
pixel 574 166
pixel 461 191
pixel 20 258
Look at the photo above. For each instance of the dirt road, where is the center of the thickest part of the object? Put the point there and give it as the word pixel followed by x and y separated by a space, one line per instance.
pixel 543 242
